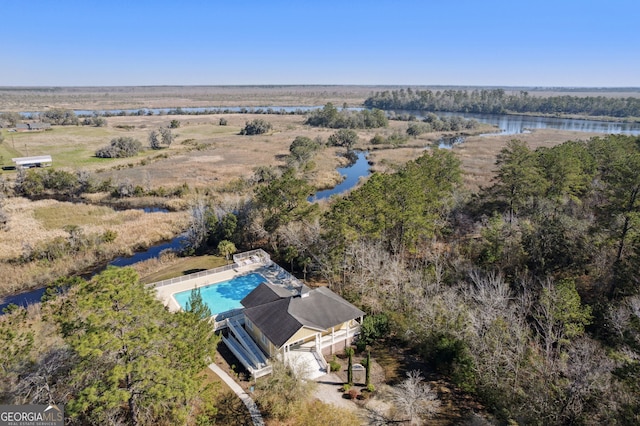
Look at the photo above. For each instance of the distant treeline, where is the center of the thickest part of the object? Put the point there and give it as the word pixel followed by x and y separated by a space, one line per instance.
pixel 497 101
pixel 61 116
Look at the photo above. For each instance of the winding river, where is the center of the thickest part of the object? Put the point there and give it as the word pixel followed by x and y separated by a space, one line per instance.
pixel 351 173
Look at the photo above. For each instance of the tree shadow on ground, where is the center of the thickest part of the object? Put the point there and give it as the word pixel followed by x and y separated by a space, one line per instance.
pixel 231 411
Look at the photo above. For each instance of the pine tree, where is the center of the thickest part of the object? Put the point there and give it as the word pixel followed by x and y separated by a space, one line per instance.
pixel 138 362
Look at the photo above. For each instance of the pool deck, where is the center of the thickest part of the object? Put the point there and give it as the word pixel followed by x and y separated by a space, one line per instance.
pixel 255 261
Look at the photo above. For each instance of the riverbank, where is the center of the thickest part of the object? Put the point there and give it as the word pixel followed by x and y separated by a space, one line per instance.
pixel 32 248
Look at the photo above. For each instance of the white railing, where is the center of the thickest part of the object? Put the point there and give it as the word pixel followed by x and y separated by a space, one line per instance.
pixel 339 336
pixel 220 319
pixel 260 256
pixel 240 259
pixel 255 354
pixel 192 276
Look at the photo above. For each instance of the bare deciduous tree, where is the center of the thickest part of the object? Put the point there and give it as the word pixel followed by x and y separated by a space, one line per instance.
pixel 415 399
pixel 48 382
pixel 197 232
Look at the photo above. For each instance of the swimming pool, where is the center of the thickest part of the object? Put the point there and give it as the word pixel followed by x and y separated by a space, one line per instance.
pixel 226 295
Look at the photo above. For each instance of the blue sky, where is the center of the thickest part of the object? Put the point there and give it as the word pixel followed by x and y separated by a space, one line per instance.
pixel 244 42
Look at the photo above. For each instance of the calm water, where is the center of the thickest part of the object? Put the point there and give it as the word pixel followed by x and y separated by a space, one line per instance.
pixel 517 124
pixel 187 110
pixel 352 174
pixel 34 296
pixel 508 124
pixel 224 296
pixel 150 253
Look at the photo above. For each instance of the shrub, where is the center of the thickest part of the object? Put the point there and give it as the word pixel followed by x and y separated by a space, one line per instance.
pixel 109 236
pixel 120 148
pixel 161 137
pixel 378 140
pixel 60 116
pixel 374 327
pixel 334 365
pixel 353 393
pixel 256 127
pixel 223 121
pixel 343 137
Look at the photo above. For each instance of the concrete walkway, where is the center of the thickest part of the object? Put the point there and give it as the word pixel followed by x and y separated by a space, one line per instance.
pixel 246 399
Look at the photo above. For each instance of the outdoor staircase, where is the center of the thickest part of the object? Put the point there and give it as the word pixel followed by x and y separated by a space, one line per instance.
pixel 247 342
pixel 246 350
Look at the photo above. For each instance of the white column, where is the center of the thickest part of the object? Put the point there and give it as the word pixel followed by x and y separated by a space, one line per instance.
pixel 347 338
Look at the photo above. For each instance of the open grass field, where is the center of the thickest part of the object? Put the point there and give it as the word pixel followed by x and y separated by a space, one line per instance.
pixel 204 154
pixel 94 98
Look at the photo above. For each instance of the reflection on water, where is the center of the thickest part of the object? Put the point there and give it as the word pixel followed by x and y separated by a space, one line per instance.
pixel 34 296
pixel 517 124
pixel 352 175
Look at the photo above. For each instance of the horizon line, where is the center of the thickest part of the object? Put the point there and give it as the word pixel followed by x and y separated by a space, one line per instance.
pixel 536 87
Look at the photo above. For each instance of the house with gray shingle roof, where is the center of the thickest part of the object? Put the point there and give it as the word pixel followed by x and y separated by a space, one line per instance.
pixel 317 320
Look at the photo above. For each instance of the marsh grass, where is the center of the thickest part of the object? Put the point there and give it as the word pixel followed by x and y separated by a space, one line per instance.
pixel 93 98
pixel 33 223
pixel 58 215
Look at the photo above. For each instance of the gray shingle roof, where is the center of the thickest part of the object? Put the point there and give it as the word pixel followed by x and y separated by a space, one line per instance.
pixel 274 321
pixel 260 295
pixel 279 315
pixel 322 309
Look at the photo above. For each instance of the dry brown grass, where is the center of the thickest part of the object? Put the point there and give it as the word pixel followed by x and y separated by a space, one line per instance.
pixel 92 98
pixel 35 222
pixel 225 155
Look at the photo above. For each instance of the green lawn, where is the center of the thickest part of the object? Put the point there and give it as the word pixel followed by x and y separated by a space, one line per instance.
pixel 75 146
pixel 7 153
pixel 184 266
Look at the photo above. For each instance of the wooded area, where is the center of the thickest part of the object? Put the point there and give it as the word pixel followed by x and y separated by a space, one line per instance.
pixel 497 101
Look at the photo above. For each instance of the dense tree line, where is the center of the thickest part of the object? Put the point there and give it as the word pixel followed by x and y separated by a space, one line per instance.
pixel 526 294
pixel 497 101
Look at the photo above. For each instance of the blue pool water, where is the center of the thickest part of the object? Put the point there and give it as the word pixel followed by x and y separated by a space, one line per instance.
pixel 226 295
